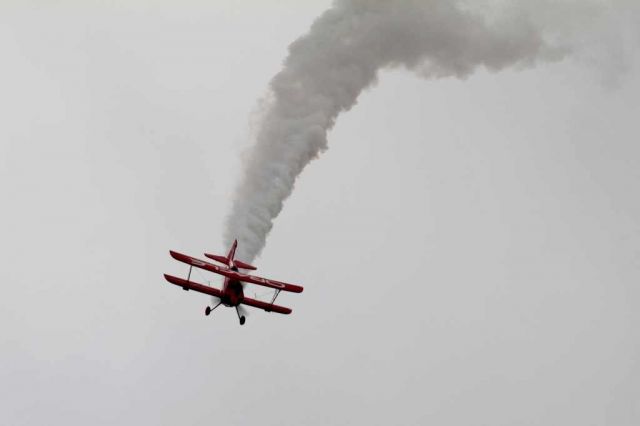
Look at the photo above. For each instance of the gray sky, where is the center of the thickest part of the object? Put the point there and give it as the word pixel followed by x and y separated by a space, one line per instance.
pixel 469 248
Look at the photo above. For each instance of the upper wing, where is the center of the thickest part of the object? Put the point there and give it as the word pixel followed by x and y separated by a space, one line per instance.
pixel 239 276
pixel 193 286
pixel 266 306
pixel 278 285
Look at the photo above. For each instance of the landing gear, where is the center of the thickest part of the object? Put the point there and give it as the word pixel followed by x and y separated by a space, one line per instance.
pixel 208 309
pixel 240 317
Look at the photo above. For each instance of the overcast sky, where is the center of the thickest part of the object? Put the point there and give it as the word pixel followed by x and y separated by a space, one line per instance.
pixel 470 249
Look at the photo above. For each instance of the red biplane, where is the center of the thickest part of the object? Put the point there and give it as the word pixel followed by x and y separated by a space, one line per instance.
pixel 232 291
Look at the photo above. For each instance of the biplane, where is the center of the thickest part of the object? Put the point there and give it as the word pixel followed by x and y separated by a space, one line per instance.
pixel 232 292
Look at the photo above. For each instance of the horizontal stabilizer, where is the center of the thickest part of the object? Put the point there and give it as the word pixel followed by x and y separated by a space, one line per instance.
pixel 225 261
pixel 218 258
pixel 242 265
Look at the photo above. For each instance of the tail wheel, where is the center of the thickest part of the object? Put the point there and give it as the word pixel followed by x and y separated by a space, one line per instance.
pixel 207 311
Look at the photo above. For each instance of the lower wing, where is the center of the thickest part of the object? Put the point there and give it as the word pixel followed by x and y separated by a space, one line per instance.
pixel 266 306
pixel 190 285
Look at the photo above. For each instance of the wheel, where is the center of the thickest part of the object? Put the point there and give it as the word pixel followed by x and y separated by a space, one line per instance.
pixel 207 311
pixel 185 289
pixel 242 319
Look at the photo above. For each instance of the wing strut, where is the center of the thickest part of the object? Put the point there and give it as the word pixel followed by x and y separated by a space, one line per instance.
pixel 274 298
pixel 188 278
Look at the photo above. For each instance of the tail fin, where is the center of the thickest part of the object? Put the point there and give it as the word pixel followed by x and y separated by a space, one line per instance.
pixel 232 252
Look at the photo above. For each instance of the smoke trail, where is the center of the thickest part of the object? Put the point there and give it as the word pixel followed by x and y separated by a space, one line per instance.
pixel 330 66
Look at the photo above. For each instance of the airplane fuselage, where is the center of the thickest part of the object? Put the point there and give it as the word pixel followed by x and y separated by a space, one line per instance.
pixel 232 293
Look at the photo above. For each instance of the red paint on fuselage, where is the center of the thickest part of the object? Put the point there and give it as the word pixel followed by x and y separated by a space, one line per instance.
pixel 232 294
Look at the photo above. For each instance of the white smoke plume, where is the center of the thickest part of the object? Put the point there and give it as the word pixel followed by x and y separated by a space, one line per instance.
pixel 341 55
